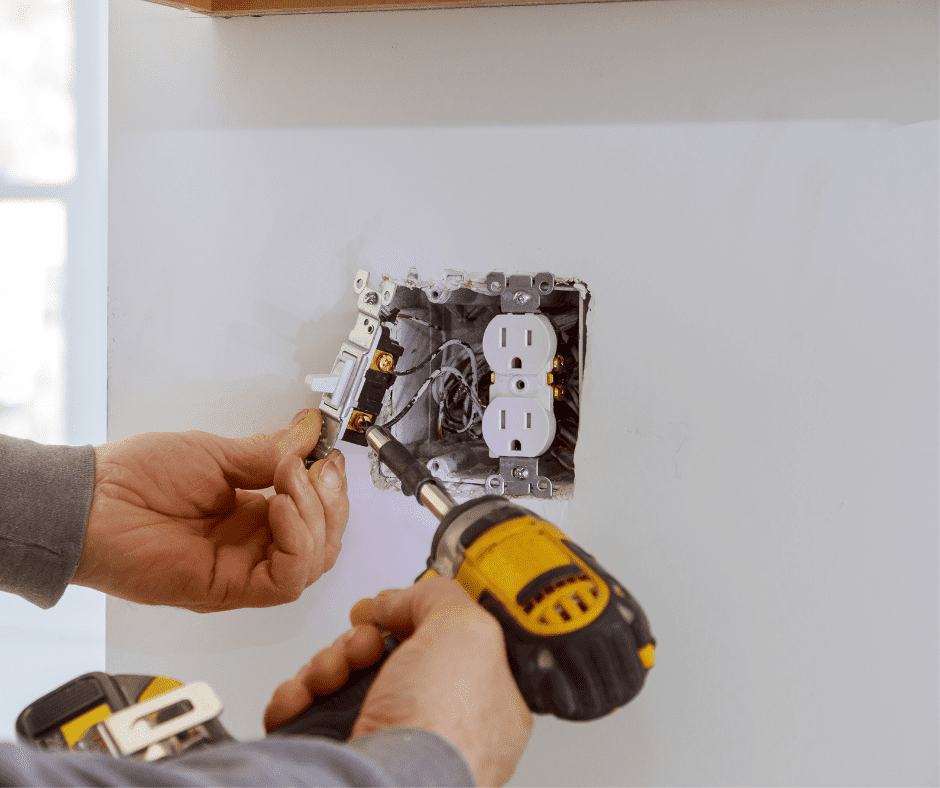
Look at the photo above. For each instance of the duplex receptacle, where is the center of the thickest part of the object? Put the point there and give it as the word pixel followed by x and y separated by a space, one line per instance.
pixel 520 419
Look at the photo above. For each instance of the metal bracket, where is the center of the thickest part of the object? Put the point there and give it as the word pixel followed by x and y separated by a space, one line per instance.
pixel 344 383
pixel 133 730
pixel 519 476
pixel 520 292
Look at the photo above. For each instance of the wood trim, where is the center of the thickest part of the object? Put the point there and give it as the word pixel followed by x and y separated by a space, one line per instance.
pixel 227 8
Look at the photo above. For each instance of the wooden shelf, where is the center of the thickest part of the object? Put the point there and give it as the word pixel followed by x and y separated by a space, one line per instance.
pixel 227 8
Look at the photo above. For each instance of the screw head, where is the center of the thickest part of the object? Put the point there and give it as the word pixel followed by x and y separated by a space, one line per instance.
pixel 385 363
pixel 521 297
pixel 520 473
pixel 495 286
pixel 558 391
pixel 359 421
pixel 372 298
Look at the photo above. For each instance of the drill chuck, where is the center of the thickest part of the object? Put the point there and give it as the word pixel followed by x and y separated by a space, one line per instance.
pixel 416 479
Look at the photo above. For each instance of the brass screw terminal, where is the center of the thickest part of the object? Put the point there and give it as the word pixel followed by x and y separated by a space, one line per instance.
pixel 558 363
pixel 558 391
pixel 384 362
pixel 359 421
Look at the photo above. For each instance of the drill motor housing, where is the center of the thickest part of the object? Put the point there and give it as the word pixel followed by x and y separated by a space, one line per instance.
pixel 578 644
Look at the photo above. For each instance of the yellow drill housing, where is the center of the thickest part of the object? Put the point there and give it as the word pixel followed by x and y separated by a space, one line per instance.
pixel 509 559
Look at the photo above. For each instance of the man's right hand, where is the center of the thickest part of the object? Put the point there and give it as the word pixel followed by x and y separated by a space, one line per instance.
pixel 449 676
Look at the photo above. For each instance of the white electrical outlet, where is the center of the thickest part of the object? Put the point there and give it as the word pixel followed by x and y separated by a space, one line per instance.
pixel 520 419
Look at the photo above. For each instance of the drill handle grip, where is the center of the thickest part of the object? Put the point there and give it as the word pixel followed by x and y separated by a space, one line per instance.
pixel 333 716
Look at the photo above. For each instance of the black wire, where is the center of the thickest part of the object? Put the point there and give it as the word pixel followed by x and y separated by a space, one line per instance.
pixel 440 349
pixel 424 387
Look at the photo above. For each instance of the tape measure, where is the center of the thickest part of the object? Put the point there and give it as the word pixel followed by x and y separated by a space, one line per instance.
pixel 146 718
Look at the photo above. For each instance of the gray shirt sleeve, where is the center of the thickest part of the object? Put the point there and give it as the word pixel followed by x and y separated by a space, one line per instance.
pixel 397 757
pixel 45 497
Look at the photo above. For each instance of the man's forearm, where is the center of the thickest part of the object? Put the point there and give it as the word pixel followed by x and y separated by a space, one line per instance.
pixel 45 497
pixel 397 757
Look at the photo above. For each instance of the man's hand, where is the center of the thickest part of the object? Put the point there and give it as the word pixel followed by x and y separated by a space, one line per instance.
pixel 449 676
pixel 172 523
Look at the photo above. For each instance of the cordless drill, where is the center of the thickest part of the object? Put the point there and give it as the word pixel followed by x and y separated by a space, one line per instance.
pixel 578 644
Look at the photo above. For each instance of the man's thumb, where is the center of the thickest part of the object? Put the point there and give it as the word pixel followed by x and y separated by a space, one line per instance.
pixel 249 463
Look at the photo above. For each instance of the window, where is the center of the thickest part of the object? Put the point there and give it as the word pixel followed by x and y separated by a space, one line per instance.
pixel 52 295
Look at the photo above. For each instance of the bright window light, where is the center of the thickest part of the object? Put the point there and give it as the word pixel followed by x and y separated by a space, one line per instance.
pixel 42 649
pixel 32 254
pixel 37 112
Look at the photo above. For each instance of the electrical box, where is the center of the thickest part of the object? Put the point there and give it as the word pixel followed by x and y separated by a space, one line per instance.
pixel 480 376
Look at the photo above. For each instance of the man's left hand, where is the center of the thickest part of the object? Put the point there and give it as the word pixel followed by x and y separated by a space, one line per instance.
pixel 172 521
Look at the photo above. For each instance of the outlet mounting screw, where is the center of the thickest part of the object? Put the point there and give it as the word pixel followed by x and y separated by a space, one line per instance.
pixel 520 472
pixel 371 298
pixel 521 297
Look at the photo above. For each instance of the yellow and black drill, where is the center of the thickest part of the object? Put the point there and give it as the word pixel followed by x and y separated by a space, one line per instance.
pixel 579 645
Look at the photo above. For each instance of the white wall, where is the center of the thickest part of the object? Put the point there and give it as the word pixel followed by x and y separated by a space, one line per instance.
pixel 750 190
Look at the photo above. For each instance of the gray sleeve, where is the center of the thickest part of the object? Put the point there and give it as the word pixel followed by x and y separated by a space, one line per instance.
pixel 398 757
pixel 45 498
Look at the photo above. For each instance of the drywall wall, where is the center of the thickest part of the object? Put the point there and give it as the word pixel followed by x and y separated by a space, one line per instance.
pixel 750 191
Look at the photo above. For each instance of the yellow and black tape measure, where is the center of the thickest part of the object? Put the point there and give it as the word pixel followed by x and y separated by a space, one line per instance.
pixel 88 714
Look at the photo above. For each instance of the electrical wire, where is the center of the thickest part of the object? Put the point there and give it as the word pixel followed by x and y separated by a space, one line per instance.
pixel 459 405
pixel 419 320
pixel 437 351
pixel 424 386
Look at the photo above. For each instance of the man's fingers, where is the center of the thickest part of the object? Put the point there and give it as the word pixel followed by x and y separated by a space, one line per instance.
pixel 325 673
pixel 328 477
pixel 403 611
pixel 328 670
pixel 289 699
pixel 250 463
pixel 291 479
pixel 322 502
pixel 364 646
pixel 282 576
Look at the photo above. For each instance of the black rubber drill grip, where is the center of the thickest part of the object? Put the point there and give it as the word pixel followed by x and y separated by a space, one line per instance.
pixel 333 716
